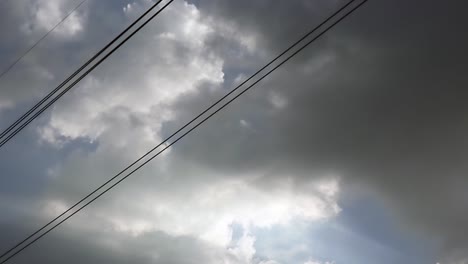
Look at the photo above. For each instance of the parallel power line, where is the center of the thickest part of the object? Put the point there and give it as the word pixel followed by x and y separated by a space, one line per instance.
pixel 185 126
pixel 9 67
pixel 32 114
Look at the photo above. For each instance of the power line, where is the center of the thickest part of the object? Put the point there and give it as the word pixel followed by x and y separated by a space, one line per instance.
pixel 6 133
pixel 24 116
pixel 6 70
pixel 186 125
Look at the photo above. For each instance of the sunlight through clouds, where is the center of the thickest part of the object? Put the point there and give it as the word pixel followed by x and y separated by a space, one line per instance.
pixel 348 153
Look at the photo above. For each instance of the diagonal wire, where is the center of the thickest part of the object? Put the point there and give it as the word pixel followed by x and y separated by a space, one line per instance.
pixel 42 38
pixel 30 119
pixel 24 116
pixel 191 129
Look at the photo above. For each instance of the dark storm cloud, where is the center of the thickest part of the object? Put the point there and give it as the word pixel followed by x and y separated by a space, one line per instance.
pixel 269 21
pixel 388 110
pixel 66 245
pixel 380 101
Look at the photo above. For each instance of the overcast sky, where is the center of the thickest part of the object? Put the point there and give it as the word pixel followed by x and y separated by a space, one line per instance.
pixel 354 152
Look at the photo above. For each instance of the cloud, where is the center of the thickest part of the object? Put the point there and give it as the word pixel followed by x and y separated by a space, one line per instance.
pixel 374 104
pixel 110 247
pixel 316 262
pixel 156 201
pixel 369 112
pixel 46 14
pixel 155 78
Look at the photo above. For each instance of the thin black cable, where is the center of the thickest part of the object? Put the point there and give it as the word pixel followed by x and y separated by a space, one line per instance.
pixel 17 130
pixel 24 116
pixel 191 129
pixel 37 42
pixel 186 125
pixel 50 94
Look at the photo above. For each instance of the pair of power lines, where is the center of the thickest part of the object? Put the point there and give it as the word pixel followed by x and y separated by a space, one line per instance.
pixel 202 117
pixel 79 74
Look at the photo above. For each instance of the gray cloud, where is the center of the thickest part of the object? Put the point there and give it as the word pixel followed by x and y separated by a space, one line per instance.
pixel 379 103
pixel 386 111
pixel 99 246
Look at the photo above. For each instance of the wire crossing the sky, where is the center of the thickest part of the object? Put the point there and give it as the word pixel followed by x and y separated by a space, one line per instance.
pixel 186 125
pixel 7 69
pixel 19 125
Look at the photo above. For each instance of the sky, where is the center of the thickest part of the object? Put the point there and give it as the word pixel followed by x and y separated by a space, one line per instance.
pixel 353 152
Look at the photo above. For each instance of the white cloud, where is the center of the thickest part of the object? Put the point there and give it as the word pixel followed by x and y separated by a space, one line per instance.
pixel 214 207
pixel 317 262
pixel 244 250
pixel 277 100
pixel 157 77
pixel 47 13
pixel 205 209
pixel 128 8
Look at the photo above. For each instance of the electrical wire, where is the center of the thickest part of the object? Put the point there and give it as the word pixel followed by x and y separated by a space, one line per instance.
pixel 7 134
pixel 6 70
